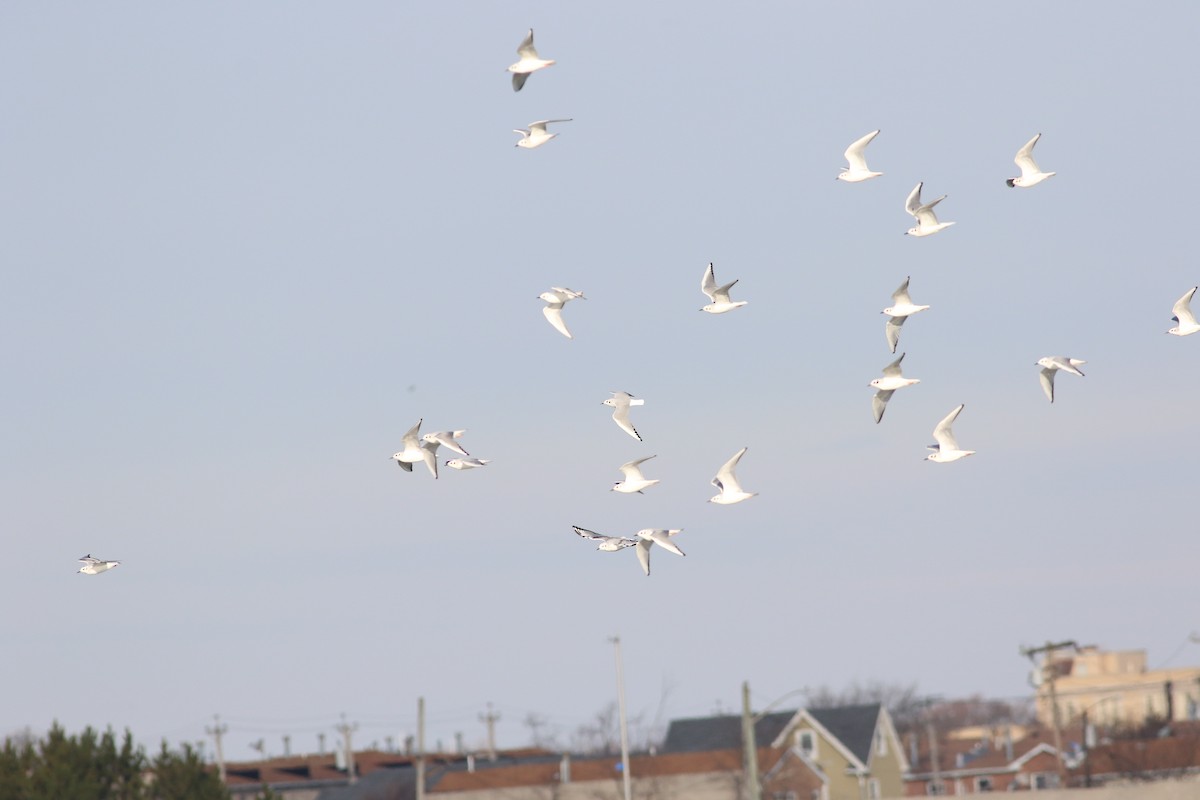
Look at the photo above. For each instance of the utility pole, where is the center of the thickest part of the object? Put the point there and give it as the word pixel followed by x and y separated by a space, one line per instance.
pixel 1050 674
pixel 935 765
pixel 750 745
pixel 217 731
pixel 346 729
pixel 626 778
pixel 490 718
pixel 420 748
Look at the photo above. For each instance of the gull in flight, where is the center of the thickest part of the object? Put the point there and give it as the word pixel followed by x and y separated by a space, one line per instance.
pixel 447 440
pixel 643 541
pixel 946 449
pixel 530 62
pixel 555 299
pixel 620 402
pixel 889 383
pixel 1031 173
pixel 856 155
pixel 727 483
pixel 416 450
pixel 467 463
pixel 718 294
pixel 536 136
pixel 94 566
pixel 634 481
pixel 901 309
pixel 1051 365
pixel 1183 316
pixel 927 221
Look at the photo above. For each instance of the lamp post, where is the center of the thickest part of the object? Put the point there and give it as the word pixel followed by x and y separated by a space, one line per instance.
pixel 750 746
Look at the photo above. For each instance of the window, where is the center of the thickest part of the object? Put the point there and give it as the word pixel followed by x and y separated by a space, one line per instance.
pixel 983 784
pixel 1045 780
pixel 806 740
pixel 880 742
pixel 935 788
pixel 873 789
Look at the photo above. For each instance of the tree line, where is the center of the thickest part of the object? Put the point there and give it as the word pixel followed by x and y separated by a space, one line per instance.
pixel 101 766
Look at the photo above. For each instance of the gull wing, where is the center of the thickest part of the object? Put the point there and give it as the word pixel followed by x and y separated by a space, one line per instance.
pixel 621 416
pixel 1047 379
pixel 567 294
pixel 708 284
pixel 925 215
pixel 643 554
pixel 631 470
pixel 1183 309
pixel 553 313
pixel 721 293
pixel 586 534
pixel 541 124
pixel 900 296
pixel 855 155
pixel 519 79
pixel 1024 158
pixel 412 438
pixel 879 403
pixel 404 465
pixel 892 370
pixel 526 49
pixel 447 440
pixel 942 433
pixel 891 329
pixel 88 559
pixel 913 203
pixel 429 453
pixel 662 538
pixel 726 480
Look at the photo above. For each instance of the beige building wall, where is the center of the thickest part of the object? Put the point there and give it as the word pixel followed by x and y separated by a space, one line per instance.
pixel 1116 688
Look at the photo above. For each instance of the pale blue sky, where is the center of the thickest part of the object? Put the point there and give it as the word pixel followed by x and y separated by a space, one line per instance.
pixel 247 245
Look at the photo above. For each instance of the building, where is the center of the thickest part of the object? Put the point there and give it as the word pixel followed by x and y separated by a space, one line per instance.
pixel 1114 688
pixel 992 763
pixel 844 753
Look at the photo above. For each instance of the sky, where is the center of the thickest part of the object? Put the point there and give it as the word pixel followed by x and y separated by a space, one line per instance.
pixel 246 246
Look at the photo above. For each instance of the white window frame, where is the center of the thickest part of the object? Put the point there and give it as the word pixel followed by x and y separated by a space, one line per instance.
pixel 979 787
pixel 873 792
pixel 881 747
pixel 809 732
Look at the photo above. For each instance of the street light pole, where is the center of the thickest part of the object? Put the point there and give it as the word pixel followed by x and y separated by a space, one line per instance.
pixel 750 757
pixel 625 776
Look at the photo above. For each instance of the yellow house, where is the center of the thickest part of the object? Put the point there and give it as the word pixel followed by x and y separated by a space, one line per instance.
pixel 855 750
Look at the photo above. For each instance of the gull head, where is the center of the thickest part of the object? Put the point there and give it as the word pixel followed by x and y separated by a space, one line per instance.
pixel 1011 182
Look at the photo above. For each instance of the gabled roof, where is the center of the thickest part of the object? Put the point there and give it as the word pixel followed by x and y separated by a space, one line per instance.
pixel 721 733
pixel 853 726
pixel 850 729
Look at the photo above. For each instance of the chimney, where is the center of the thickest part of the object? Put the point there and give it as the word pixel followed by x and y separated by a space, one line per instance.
pixel 1008 747
pixel 912 750
pixel 320 744
pixel 458 743
pixel 287 746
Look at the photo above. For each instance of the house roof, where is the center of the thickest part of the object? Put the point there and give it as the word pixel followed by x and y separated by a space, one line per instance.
pixel 853 726
pixel 1143 757
pixel 720 733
